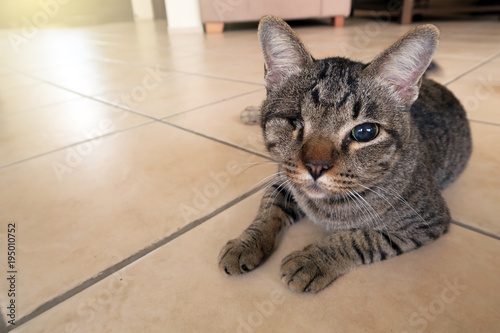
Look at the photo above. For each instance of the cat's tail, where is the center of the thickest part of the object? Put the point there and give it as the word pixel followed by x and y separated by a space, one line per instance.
pixel 433 68
pixel 250 115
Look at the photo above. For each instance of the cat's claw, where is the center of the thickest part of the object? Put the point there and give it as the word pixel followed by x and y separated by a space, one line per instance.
pixel 302 272
pixel 239 257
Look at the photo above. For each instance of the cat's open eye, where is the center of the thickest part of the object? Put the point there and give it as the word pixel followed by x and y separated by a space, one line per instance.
pixel 365 132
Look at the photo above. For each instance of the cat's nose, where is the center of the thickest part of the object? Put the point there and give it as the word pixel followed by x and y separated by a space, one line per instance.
pixel 316 169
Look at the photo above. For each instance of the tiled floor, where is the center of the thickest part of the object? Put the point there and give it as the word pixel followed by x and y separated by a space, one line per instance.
pixel 125 169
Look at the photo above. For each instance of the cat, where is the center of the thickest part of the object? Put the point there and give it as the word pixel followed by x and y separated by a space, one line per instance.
pixel 363 150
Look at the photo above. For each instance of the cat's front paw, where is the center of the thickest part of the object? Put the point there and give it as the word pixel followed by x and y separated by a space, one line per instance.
pixel 307 271
pixel 240 256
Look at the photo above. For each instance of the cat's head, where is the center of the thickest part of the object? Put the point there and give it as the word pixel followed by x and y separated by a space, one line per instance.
pixel 337 125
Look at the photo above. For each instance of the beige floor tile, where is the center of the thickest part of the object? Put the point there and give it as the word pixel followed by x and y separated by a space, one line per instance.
pixel 127 52
pixel 222 121
pixel 452 29
pixel 19 99
pixel 14 80
pixel 46 55
pixel 96 68
pixel 87 68
pixel 150 55
pixel 4 71
pixel 82 210
pixel 177 93
pixel 111 51
pixel 450 68
pixel 199 62
pixel 230 66
pixel 445 287
pixel 479 92
pixel 247 70
pixel 473 199
pixel 488 36
pixel 41 130
pixel 464 50
pixel 488 72
pixel 480 99
pixel 91 85
pixel 97 77
pixel 347 50
pixel 241 43
pixel 363 44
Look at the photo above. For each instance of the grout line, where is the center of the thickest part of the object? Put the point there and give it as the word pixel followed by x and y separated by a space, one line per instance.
pixel 484 122
pixel 213 103
pixel 146 65
pixel 39 107
pixel 473 68
pixel 123 107
pixel 75 144
pixel 128 261
pixel 3 324
pixel 119 106
pixel 218 77
pixel 216 140
pixel 96 99
pixel 478 230
pixel 140 114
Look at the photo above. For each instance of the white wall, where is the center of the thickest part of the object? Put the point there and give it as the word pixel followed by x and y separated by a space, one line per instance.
pixel 143 9
pixel 183 15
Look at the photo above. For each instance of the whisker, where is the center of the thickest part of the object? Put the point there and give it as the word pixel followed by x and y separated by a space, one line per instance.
pixel 280 100
pixel 362 207
pixel 289 109
pixel 378 219
pixel 259 163
pixel 383 197
pixel 403 200
pixel 278 174
pixel 274 181
pixel 256 164
pixel 278 191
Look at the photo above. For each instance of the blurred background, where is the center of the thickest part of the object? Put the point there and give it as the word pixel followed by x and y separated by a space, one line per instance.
pixel 185 13
pixel 80 12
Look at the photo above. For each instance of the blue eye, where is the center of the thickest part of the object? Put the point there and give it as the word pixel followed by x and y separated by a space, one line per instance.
pixel 365 132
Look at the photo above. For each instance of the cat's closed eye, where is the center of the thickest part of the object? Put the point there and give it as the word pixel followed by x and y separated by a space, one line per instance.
pixel 365 132
pixel 297 127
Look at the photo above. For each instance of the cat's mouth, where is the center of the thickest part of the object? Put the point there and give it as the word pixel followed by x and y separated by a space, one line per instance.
pixel 315 191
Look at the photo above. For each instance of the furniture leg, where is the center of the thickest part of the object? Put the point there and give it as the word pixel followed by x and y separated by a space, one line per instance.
pixel 407 11
pixel 214 27
pixel 338 21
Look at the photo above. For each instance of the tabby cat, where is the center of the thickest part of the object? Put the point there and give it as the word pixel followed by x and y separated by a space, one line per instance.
pixel 363 151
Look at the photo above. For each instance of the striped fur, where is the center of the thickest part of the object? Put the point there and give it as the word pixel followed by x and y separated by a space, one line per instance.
pixel 379 198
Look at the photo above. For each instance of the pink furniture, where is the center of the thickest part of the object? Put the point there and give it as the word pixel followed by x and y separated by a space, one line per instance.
pixel 214 13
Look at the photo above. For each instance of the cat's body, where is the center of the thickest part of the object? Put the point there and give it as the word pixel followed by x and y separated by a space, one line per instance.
pixel 359 154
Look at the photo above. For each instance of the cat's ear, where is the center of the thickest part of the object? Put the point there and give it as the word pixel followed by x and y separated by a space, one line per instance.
pixel 284 53
pixel 401 66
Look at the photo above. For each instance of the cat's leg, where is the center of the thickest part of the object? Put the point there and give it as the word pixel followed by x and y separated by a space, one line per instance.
pixel 277 210
pixel 319 264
